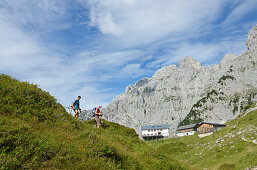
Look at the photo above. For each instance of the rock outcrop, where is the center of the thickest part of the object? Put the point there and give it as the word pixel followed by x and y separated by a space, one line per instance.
pixel 190 93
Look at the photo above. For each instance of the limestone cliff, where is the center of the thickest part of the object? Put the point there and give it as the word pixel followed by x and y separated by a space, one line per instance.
pixel 188 92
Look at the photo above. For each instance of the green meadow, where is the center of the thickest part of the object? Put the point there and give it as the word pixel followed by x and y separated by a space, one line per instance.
pixel 37 133
pixel 234 147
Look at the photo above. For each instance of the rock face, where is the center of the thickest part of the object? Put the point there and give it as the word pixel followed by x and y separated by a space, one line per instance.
pixel 190 93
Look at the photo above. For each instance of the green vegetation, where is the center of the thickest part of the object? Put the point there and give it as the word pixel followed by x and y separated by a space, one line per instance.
pixel 194 115
pixel 148 90
pixel 169 98
pixel 213 92
pixel 26 101
pixel 244 104
pixel 235 101
pixel 196 110
pixel 37 133
pixel 224 78
pixel 230 69
pixel 249 99
pixel 230 148
pixel 191 118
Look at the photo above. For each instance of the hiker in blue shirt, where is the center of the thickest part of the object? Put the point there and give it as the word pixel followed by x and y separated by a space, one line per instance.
pixel 75 106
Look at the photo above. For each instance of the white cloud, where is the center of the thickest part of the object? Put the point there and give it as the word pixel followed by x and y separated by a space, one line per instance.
pixel 43 15
pixel 19 51
pixel 105 23
pixel 142 22
pixel 114 58
pixel 149 26
pixel 133 71
pixel 23 56
pixel 242 9
pixel 206 53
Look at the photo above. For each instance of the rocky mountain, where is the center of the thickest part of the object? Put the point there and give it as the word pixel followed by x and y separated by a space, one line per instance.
pixel 188 92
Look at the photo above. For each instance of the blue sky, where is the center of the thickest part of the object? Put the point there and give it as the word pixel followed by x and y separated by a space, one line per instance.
pixel 95 48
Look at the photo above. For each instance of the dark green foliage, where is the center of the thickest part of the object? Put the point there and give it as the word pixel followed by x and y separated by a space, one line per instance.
pixel 148 90
pixel 235 103
pixel 224 78
pixel 199 103
pixel 222 98
pixel 235 109
pixel 246 107
pixel 236 99
pixel 197 109
pixel 213 92
pixel 230 69
pixel 191 118
pixel 249 99
pixel 243 105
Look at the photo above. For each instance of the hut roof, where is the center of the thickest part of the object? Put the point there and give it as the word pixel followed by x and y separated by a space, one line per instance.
pixel 219 124
pixel 187 126
pixel 151 127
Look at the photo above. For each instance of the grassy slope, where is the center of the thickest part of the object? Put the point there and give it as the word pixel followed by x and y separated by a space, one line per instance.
pixel 36 132
pixel 232 147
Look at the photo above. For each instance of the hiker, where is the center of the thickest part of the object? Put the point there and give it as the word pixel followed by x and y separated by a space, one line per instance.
pixel 75 107
pixel 98 115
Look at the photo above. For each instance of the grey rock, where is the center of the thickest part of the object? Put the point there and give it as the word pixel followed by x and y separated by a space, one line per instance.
pixel 189 92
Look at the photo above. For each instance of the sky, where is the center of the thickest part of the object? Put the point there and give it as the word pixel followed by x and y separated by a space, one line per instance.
pixel 96 48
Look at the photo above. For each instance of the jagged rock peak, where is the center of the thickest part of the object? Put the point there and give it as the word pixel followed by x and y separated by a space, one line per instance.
pixel 164 72
pixel 142 82
pixel 190 93
pixel 227 59
pixel 189 62
pixel 252 40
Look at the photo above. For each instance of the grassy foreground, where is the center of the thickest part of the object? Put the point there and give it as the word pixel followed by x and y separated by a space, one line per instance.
pixel 234 147
pixel 36 132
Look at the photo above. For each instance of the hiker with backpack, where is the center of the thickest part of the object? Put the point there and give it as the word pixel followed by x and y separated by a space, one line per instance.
pixel 98 115
pixel 75 107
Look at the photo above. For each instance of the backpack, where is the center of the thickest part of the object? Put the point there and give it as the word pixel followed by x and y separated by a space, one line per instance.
pixel 93 111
